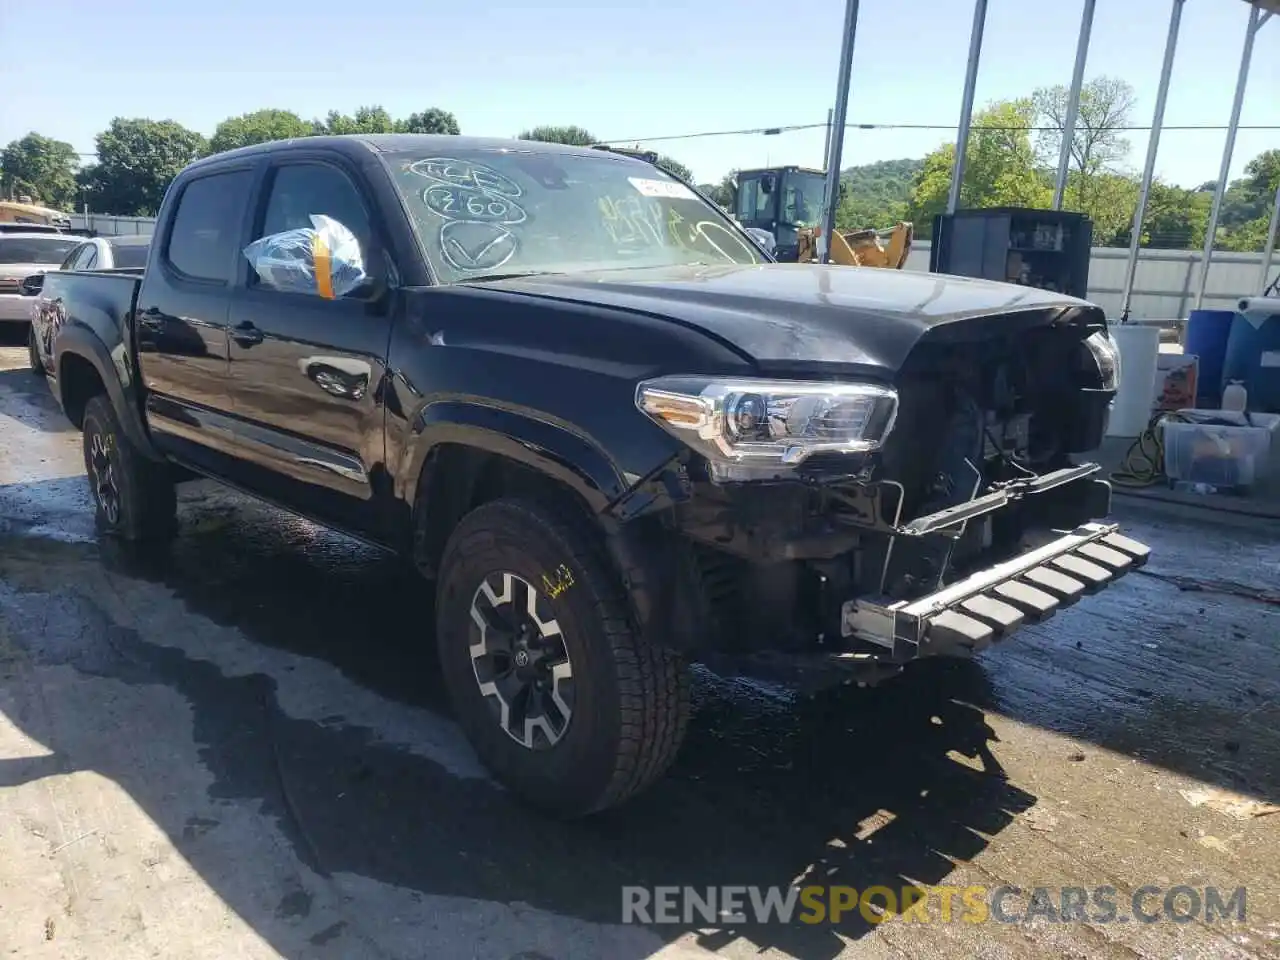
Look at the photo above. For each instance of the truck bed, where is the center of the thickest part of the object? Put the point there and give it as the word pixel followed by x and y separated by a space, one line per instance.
pixel 100 300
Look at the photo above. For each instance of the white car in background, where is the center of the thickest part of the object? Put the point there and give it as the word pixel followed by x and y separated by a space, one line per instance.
pixel 24 254
pixel 95 253
pixel 109 253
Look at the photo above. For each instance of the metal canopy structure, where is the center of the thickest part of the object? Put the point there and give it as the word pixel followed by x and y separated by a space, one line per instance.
pixel 1260 11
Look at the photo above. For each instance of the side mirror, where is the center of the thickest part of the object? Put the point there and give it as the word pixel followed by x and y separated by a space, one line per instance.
pixel 842 191
pixel 32 285
pixel 323 260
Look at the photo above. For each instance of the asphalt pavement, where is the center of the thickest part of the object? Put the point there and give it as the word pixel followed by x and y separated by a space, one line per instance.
pixel 242 749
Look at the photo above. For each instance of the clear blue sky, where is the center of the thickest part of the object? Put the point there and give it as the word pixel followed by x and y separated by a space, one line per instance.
pixel 624 69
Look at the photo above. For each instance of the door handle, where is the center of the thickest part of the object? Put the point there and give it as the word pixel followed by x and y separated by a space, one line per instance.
pixel 151 320
pixel 246 334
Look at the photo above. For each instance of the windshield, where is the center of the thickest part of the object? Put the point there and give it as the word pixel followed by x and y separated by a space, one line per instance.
pixel 506 212
pixel 802 195
pixel 35 249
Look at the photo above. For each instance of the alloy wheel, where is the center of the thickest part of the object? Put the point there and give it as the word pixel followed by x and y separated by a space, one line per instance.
pixel 521 661
pixel 103 476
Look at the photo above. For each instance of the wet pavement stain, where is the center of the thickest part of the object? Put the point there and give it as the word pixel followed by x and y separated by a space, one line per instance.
pixel 350 806
pixel 906 783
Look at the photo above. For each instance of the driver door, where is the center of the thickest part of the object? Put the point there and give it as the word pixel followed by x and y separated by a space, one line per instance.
pixel 305 367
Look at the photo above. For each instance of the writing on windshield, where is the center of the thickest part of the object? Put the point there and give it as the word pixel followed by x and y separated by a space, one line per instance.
pixel 487 212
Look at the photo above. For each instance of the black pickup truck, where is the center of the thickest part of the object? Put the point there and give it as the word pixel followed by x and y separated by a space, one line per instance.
pixel 615 435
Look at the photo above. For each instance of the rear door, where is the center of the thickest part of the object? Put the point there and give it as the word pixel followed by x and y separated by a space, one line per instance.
pixel 305 369
pixel 181 321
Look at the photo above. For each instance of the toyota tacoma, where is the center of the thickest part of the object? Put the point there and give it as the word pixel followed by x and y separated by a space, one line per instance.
pixel 613 435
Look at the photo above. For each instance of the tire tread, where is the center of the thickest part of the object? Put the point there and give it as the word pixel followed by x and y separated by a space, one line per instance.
pixel 653 682
pixel 151 491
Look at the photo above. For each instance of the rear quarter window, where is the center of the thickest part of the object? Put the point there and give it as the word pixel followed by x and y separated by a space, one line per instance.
pixel 205 235
pixel 129 257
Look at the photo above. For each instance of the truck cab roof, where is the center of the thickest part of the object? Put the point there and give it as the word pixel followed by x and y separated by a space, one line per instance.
pixel 361 144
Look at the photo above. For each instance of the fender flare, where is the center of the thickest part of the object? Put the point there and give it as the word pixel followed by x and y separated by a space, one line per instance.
pixel 80 341
pixel 555 450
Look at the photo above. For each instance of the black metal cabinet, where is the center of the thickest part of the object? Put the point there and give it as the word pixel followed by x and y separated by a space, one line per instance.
pixel 1048 249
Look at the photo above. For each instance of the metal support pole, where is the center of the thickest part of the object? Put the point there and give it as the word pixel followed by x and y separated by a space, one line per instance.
pixel 840 117
pixel 1264 273
pixel 966 102
pixel 1073 103
pixel 1153 147
pixel 1256 20
pixel 826 144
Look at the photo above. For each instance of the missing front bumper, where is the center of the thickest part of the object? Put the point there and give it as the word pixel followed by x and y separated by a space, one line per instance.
pixel 988 606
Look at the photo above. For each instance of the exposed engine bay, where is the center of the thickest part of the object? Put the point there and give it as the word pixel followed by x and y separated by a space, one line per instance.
pixel 976 470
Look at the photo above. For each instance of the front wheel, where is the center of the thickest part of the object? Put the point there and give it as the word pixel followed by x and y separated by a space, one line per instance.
pixel 564 702
pixel 133 495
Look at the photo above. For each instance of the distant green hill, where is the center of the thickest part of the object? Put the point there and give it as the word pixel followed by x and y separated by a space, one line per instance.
pixel 877 192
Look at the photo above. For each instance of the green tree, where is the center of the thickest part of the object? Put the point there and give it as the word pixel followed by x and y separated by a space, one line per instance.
pixel 1176 218
pixel 137 158
pixel 1261 180
pixel 1110 201
pixel 722 193
pixel 372 119
pixel 675 168
pixel 260 126
pixel 433 120
pixel 1098 144
pixel 1248 237
pixel 1257 196
pixel 41 168
pixel 574 136
pixel 876 194
pixel 1252 195
pixel 857 212
pixel 1000 168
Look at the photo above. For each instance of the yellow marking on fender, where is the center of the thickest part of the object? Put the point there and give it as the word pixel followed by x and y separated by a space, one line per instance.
pixel 320 254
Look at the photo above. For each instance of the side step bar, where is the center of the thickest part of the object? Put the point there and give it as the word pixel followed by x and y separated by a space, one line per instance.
pixel 971 614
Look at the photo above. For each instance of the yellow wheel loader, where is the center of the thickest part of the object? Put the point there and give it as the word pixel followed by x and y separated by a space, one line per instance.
pixel 786 204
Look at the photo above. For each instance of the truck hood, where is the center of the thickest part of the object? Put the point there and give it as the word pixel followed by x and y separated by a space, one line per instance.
pixel 784 317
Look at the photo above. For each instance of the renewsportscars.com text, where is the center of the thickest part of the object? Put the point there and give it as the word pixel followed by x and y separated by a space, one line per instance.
pixel 941 904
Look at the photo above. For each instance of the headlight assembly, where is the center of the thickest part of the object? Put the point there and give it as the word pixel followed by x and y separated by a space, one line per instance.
pixel 1107 357
pixel 753 429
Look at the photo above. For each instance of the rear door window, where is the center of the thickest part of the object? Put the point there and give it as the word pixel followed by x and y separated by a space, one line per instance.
pixel 204 239
pixel 72 259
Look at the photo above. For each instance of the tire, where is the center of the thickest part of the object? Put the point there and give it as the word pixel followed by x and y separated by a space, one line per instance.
pixel 628 699
pixel 133 496
pixel 33 353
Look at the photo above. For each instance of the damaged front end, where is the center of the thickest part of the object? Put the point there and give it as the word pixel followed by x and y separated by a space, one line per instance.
pixel 859 526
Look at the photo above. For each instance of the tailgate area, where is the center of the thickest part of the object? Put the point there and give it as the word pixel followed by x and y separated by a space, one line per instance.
pixel 988 606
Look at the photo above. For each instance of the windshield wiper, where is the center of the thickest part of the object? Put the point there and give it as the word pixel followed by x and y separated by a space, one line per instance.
pixel 504 276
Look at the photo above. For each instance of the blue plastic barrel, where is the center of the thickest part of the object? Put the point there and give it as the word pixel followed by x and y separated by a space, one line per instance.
pixel 1246 346
pixel 1206 337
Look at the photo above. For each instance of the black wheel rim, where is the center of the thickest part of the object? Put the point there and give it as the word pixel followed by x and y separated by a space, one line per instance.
pixel 102 474
pixel 520 661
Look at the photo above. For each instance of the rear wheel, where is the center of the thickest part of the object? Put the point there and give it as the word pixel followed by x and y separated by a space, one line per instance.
pixel 134 496
pixel 564 702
